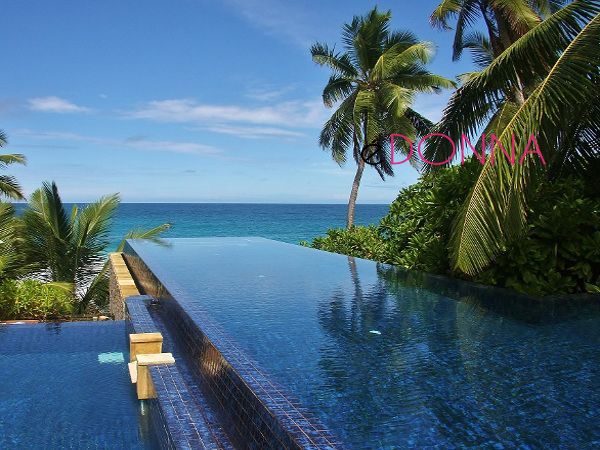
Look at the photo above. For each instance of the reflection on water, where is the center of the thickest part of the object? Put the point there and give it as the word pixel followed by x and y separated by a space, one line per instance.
pixel 392 359
pixel 444 372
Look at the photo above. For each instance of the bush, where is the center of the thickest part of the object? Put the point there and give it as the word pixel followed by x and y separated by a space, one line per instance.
pixel 31 299
pixel 415 232
pixel 361 242
pixel 559 253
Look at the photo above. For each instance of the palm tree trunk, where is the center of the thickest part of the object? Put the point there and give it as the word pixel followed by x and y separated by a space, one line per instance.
pixel 354 193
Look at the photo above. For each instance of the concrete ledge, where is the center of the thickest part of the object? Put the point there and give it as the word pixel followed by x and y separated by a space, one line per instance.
pixel 152 359
pixel 145 337
pixel 121 285
pixel 144 343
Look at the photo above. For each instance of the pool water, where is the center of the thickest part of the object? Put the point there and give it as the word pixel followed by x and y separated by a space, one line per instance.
pixel 67 386
pixel 384 364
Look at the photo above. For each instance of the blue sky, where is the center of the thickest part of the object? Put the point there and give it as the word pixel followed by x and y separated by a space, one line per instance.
pixel 186 100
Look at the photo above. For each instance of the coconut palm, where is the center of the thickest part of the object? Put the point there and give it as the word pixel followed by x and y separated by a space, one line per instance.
pixel 558 62
pixel 9 254
pixel 71 247
pixel 373 85
pixel 505 21
pixel 9 187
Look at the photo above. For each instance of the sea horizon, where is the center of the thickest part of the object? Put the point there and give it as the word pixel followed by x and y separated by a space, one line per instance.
pixel 286 222
pixel 213 203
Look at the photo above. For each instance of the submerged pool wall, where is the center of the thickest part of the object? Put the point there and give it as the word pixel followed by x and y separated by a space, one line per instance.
pixel 255 411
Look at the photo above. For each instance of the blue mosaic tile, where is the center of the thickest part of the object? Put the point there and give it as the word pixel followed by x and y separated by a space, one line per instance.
pixel 384 357
pixel 179 424
pixel 260 414
pixel 65 386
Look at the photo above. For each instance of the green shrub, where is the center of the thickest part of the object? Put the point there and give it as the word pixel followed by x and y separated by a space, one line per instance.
pixel 361 242
pixel 415 232
pixel 31 299
pixel 561 250
pixel 418 225
pixel 559 253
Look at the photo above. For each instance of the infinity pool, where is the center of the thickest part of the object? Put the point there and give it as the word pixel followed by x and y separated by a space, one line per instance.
pixel 66 386
pixel 384 363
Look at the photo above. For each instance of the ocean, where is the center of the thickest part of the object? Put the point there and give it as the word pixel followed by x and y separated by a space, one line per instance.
pixel 284 222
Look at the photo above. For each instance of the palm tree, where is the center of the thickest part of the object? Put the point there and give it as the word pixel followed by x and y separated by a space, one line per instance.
pixel 9 187
pixel 71 247
pixel 373 84
pixel 505 21
pixel 9 254
pixel 558 62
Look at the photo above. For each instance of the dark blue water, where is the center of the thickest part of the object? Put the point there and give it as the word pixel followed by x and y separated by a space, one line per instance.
pixel 284 222
pixel 67 386
pixel 385 364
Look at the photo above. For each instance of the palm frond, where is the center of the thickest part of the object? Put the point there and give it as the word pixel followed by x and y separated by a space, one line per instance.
pixel 91 226
pixel 445 10
pixel 496 208
pixel 480 47
pixel 10 257
pixel 400 56
pixel 338 132
pixel 371 38
pixel 467 15
pixel 10 188
pixel 14 158
pixel 337 89
pixel 48 232
pixel 469 108
pixel 339 62
pixel 518 13
pixel 404 37
pixel 152 235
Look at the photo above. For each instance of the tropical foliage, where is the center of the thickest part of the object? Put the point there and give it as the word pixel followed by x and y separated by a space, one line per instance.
pixel 52 261
pixel 505 22
pixel 10 257
pixel 70 247
pixel 32 299
pixel 372 86
pixel 9 187
pixel 11 190
pixel 555 65
pixel 559 252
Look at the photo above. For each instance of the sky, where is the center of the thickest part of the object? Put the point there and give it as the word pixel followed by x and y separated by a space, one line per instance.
pixel 187 100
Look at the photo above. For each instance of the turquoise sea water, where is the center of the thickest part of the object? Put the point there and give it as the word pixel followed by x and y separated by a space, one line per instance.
pixel 284 222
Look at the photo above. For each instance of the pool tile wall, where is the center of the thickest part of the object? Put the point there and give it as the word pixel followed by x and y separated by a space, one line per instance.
pixel 257 412
pixel 177 423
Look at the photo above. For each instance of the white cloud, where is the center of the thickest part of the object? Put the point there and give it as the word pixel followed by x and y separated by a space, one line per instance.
pixel 134 142
pixel 293 114
pixel 55 105
pixel 171 146
pixel 253 132
pixel 268 94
